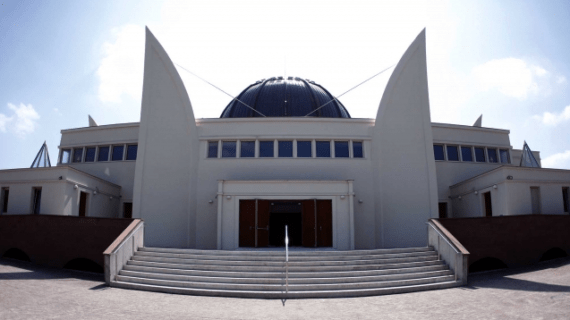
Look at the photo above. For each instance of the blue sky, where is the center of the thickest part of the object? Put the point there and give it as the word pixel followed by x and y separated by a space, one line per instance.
pixel 63 60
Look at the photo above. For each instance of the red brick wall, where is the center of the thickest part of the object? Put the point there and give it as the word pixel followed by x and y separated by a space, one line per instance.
pixel 55 240
pixel 515 240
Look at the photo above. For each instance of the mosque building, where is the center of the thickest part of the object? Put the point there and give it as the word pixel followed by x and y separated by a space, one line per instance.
pixel 285 151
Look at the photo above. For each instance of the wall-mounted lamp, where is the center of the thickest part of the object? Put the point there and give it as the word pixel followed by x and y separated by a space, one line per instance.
pixel 342 197
pixel 211 201
pixel 494 186
pixel 75 187
pixel 476 192
pixel 509 177
pixel 95 192
pixel 459 197
pixel 228 197
pixel 60 177
pixel 360 201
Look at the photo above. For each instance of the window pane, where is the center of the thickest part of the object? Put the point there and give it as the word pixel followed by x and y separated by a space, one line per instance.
pixel 323 149
pixel 65 155
pixel 492 155
pixel 504 155
pixel 266 149
pixel 247 149
pixel 304 149
pixel 229 149
pixel 117 153
pixel 285 148
pixel 341 149
pixel 90 155
pixel 103 154
pixel 452 154
pixel 479 154
pixel 466 154
pixel 212 149
pixel 357 149
pixel 438 152
pixel 77 154
pixel 132 152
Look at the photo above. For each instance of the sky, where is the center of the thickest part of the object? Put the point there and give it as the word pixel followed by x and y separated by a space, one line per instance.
pixel 61 61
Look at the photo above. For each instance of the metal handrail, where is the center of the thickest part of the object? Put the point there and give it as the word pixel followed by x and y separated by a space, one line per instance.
pixel 451 245
pixel 286 260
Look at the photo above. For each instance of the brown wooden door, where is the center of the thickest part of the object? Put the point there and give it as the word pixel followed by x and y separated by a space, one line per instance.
pixel 247 223
pixel 488 204
pixel 263 208
pixel 128 210
pixel 309 217
pixel 82 204
pixel 324 223
pixel 443 210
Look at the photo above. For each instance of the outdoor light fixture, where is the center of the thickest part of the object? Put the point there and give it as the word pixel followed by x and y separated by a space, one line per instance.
pixel 342 197
pixel 95 192
pixel 476 192
pixel 509 177
pixel 360 201
pixel 75 187
pixel 211 201
pixel 228 197
pixel 110 198
pixel 494 186
pixel 459 197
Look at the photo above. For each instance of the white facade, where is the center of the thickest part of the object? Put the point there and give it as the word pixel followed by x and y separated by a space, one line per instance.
pixel 380 197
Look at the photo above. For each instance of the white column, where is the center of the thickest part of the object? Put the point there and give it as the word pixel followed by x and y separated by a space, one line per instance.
pixel 351 211
pixel 220 201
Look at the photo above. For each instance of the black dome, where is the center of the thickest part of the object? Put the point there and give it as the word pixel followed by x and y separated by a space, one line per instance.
pixel 291 97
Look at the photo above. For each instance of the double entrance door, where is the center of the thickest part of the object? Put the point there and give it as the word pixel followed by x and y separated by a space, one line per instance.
pixel 262 223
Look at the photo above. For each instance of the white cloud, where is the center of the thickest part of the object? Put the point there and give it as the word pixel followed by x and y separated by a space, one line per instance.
pixel 22 122
pixel 558 160
pixel 561 79
pixel 121 69
pixel 553 119
pixel 512 77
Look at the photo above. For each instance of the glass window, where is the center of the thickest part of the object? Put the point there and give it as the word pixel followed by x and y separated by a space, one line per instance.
pixel 452 154
pixel 266 149
pixel 438 152
pixel 341 149
pixel 247 149
pixel 323 149
pixel 103 154
pixel 77 154
pixel 212 149
pixel 480 154
pixel 229 149
pixel 132 152
pixel 285 149
pixel 504 154
pixel 492 153
pixel 357 151
pixel 65 155
pixel 90 154
pixel 304 149
pixel 117 153
pixel 466 154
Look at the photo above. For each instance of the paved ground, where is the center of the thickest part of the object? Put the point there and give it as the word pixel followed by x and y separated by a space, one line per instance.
pixel 28 291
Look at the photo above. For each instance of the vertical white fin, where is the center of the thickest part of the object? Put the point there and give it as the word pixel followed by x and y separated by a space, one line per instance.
pixel 92 122
pixel 479 122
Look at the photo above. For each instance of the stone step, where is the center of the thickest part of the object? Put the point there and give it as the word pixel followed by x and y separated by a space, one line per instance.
pixel 281 287
pixel 281 257
pixel 281 251
pixel 292 264
pixel 280 267
pixel 290 294
pixel 279 280
pixel 292 275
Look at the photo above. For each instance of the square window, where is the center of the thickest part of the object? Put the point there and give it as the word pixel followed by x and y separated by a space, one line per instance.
pixel 229 149
pixel 247 149
pixel 65 155
pixel 438 152
pixel 466 154
pixel 266 149
pixel 357 150
pixel 480 154
pixel 492 153
pixel 77 154
pixel 132 152
pixel 452 154
pixel 212 149
pixel 285 149
pixel 304 149
pixel 117 153
pixel 90 154
pixel 341 149
pixel 504 154
pixel 103 154
pixel 323 149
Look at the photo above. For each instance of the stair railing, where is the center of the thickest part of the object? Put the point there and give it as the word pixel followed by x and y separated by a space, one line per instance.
pixel 460 252
pixel 286 260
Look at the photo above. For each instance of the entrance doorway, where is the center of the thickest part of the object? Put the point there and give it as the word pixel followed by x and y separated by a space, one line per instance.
pixel 82 204
pixel 488 204
pixel 262 223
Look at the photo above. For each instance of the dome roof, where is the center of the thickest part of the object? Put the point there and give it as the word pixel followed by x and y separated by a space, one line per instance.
pixel 291 97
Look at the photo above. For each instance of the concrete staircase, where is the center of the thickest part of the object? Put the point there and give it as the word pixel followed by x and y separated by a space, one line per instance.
pixel 261 274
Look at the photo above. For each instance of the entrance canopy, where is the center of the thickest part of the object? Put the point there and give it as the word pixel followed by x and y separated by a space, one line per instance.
pixel 320 213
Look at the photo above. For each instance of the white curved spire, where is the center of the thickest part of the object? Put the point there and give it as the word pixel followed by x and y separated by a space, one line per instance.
pixel 479 121
pixel 92 122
